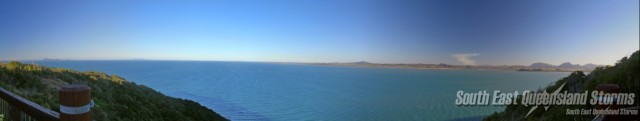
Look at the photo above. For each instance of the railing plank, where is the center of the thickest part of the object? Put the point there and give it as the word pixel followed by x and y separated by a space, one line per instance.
pixel 32 109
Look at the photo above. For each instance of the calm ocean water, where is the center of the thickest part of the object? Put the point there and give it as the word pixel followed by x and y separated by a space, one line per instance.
pixel 271 91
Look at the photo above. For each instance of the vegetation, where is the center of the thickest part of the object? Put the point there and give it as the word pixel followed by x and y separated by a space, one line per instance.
pixel 624 73
pixel 115 98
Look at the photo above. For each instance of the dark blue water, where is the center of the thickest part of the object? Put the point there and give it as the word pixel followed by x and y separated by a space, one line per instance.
pixel 271 91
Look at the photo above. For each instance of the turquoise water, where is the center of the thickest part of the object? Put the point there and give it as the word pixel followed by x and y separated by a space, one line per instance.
pixel 271 91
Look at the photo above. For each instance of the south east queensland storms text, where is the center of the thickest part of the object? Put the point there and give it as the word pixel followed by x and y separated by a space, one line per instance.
pixel 481 98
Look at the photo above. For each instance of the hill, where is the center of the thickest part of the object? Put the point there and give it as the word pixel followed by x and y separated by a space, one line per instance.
pixel 541 65
pixel 569 65
pixel 116 99
pixel 624 73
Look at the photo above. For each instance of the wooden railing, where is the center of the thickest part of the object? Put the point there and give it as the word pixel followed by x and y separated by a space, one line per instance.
pixel 74 99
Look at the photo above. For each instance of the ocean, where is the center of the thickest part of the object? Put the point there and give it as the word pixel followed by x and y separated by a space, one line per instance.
pixel 285 92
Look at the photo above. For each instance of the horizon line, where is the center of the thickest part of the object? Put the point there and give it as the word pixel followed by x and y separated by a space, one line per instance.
pixel 144 59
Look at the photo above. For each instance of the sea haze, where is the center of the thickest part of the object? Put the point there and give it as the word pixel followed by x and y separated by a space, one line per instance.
pixel 275 91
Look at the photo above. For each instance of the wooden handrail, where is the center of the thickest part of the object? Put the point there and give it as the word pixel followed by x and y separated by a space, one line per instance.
pixel 30 108
pixel 75 105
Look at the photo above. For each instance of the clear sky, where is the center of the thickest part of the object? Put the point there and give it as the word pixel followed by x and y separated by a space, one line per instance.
pixel 496 32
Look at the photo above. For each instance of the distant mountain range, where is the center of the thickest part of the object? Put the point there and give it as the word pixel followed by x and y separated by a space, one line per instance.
pixel 567 66
pixel 539 66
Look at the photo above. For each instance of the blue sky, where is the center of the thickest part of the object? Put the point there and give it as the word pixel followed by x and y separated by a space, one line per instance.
pixel 496 32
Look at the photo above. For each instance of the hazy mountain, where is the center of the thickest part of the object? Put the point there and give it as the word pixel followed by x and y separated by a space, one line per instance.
pixel 563 66
pixel 569 65
pixel 541 65
pixel 590 65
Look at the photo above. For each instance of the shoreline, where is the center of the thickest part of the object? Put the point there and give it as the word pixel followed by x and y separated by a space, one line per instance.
pixel 447 67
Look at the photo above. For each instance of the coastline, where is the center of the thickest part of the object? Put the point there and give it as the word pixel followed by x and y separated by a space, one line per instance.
pixel 446 67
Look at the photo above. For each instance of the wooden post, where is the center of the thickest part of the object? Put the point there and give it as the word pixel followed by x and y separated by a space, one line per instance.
pixel 75 102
